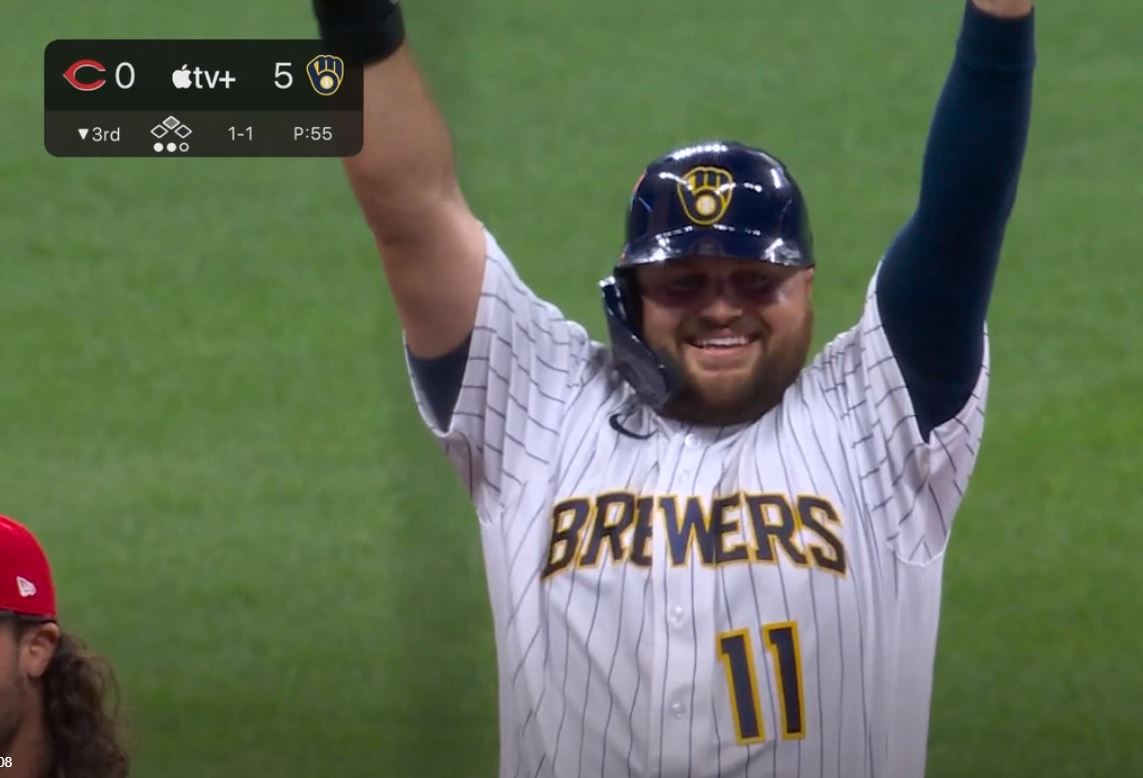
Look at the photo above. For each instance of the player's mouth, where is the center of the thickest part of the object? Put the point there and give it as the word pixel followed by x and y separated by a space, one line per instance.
pixel 721 350
pixel 722 342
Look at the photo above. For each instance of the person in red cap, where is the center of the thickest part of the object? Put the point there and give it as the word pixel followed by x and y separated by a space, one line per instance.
pixel 56 717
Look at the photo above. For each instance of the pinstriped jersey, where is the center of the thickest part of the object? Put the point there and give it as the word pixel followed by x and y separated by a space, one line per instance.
pixel 678 600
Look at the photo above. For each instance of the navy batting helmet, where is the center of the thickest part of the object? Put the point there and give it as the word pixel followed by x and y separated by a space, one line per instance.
pixel 716 199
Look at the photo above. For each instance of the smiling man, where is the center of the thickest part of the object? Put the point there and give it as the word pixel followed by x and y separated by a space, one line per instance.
pixel 716 281
pixel 738 336
pixel 705 556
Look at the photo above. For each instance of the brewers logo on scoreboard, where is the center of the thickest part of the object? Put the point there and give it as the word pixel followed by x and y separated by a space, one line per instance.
pixel 326 72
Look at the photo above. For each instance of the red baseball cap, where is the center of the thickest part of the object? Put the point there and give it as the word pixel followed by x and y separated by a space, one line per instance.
pixel 25 575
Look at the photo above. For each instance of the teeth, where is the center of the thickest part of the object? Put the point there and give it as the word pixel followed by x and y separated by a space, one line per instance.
pixel 722 342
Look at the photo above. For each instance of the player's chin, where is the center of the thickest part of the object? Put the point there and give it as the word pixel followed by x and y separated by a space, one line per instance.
pixel 719 402
pixel 727 392
pixel 725 385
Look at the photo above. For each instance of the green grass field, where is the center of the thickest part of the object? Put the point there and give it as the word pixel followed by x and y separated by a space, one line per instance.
pixel 204 412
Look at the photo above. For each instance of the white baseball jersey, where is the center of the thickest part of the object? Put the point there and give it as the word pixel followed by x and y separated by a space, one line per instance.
pixel 676 600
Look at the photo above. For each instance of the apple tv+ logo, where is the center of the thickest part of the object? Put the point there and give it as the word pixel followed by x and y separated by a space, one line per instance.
pixel 199 78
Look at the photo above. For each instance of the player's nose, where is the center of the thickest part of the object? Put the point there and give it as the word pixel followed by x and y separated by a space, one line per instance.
pixel 722 306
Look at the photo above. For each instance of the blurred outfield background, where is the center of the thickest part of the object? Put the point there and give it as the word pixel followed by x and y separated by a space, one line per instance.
pixel 204 412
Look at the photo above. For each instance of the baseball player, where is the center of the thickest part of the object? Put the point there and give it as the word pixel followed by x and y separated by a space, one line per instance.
pixel 55 720
pixel 705 556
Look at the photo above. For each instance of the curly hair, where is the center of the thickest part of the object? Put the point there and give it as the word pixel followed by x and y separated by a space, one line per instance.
pixel 81 712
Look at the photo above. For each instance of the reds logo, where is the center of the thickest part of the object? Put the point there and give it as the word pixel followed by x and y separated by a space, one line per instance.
pixel 71 75
pixel 705 194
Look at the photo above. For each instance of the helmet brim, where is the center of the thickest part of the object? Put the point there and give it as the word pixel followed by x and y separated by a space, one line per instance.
pixel 715 241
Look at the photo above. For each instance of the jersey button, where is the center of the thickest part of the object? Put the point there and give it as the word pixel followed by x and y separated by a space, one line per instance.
pixel 691 440
pixel 678 616
pixel 678 709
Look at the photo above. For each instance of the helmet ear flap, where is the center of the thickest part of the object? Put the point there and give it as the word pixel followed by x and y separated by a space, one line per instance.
pixel 641 367
pixel 630 299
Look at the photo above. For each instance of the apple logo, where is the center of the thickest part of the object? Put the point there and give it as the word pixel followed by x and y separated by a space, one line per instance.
pixel 181 78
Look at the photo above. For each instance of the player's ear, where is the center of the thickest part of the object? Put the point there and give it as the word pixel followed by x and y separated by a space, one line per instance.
pixel 809 283
pixel 37 647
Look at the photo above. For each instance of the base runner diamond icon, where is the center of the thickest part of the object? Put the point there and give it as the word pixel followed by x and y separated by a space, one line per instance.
pixel 171 124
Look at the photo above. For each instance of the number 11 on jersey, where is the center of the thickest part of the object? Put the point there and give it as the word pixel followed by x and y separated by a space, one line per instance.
pixel 737 655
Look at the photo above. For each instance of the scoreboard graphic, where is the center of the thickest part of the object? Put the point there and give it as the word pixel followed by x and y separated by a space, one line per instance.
pixel 200 98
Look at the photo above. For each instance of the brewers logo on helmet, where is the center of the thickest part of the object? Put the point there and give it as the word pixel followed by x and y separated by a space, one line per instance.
pixel 705 193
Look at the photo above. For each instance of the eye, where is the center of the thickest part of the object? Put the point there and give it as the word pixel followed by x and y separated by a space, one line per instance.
pixel 677 288
pixel 684 284
pixel 753 283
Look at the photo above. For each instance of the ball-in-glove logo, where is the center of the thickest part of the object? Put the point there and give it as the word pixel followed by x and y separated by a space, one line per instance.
pixel 705 193
pixel 325 72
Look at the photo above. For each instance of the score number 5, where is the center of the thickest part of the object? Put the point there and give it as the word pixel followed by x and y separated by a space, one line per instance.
pixel 283 78
pixel 737 655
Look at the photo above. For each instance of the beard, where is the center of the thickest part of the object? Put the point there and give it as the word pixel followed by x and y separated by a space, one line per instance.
pixel 726 402
pixel 13 703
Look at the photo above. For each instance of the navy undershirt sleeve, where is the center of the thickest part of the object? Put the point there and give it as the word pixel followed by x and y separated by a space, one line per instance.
pixel 440 379
pixel 936 279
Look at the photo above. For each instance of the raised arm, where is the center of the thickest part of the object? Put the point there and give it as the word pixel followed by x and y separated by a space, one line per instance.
pixel 936 280
pixel 431 245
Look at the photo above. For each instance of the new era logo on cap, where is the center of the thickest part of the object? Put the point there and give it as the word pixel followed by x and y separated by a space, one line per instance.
pixel 26 587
